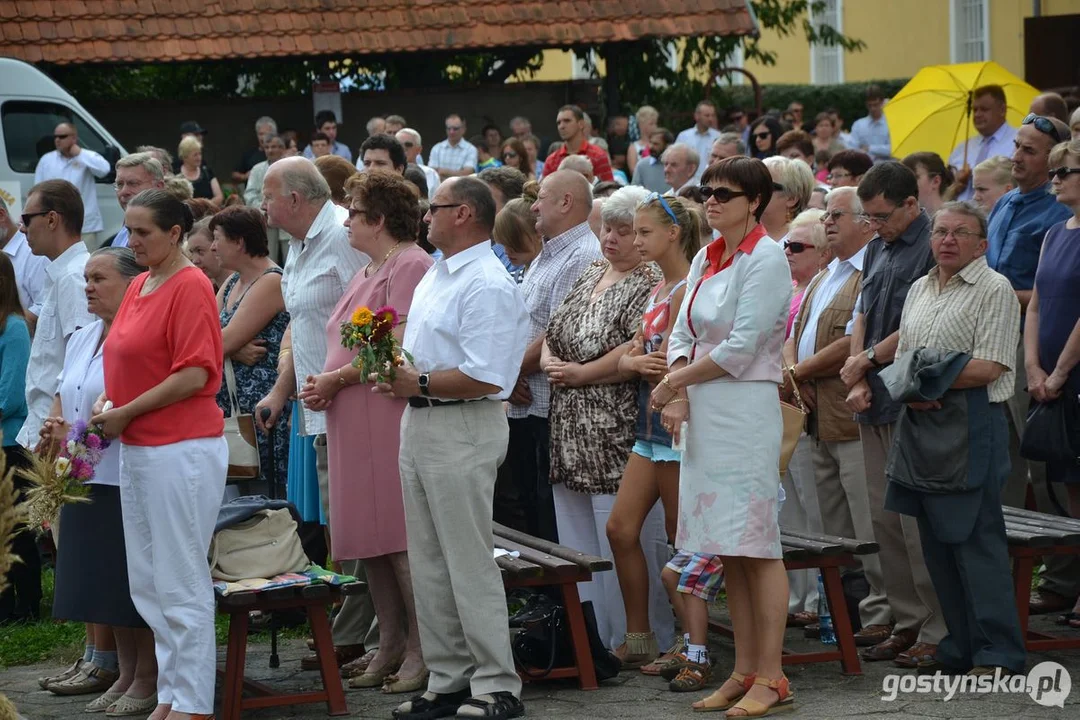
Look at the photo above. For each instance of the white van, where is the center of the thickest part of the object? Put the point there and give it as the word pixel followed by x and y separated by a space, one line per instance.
pixel 31 106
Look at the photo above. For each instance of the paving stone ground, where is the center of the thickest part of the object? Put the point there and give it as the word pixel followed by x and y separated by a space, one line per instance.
pixel 822 692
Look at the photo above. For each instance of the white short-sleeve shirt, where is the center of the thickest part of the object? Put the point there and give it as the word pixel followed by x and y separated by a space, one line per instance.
pixel 81 383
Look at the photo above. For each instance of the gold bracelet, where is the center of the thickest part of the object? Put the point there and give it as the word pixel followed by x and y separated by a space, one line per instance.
pixel 666 382
pixel 676 400
pixel 792 374
pixel 284 351
pixel 341 378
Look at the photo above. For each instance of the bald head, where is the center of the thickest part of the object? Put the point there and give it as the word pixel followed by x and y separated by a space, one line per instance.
pixel 1051 105
pixel 565 201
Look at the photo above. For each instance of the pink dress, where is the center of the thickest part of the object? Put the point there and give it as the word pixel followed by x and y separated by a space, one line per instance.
pixel 367 518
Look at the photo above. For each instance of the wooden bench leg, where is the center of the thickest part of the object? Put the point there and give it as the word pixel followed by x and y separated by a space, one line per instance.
pixel 324 648
pixel 1023 568
pixel 235 659
pixel 845 636
pixel 579 637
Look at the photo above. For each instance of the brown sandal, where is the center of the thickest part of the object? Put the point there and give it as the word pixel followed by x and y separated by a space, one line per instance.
pixel 707 704
pixel 637 650
pixel 755 708
pixel 670 656
pixel 692 678
pixel 801 619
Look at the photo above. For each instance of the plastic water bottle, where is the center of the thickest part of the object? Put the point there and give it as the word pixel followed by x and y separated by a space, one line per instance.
pixel 824 616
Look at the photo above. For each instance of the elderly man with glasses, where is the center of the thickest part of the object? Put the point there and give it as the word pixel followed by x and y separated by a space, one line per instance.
pixel 134 173
pixel 901 252
pixel 958 334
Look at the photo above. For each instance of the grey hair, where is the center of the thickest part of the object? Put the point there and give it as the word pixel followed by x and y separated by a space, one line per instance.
pixel 811 219
pixel 647 111
pixel 266 121
pixel 124 259
pixel 852 193
pixel 621 205
pixel 370 127
pixel 414 133
pixel 731 138
pixel 163 156
pixel 146 161
pixel 692 156
pixel 578 163
pixel 966 208
pixel 304 179
pixel 796 177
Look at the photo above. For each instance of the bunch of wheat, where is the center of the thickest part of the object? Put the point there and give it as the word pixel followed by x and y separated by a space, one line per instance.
pixel 12 515
pixel 51 490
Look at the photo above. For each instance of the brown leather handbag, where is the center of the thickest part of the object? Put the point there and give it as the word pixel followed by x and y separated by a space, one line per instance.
pixel 794 424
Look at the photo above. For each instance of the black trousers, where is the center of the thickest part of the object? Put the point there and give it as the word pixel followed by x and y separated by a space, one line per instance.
pixel 523 498
pixel 22 599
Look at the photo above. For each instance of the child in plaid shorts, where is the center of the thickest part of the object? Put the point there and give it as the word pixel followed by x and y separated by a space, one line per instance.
pixel 693 581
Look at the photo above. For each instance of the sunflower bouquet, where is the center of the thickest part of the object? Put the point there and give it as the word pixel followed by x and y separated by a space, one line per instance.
pixel 371 334
pixel 61 477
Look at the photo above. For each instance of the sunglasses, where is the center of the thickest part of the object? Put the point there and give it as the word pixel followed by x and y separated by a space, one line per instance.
pixel 434 208
pixel 762 136
pixel 795 247
pixel 663 204
pixel 1043 125
pixel 720 194
pixel 1062 172
pixel 27 217
pixel 353 212
pixel 61 137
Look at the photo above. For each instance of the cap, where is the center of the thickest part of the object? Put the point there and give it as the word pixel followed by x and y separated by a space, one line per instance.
pixel 191 126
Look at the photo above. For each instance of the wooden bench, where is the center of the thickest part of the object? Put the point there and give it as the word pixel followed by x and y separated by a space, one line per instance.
pixel 826 553
pixel 543 563
pixel 312 598
pixel 1032 535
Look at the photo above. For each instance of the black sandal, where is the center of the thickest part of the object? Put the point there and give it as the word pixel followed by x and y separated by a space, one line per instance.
pixel 421 708
pixel 1072 619
pixel 505 706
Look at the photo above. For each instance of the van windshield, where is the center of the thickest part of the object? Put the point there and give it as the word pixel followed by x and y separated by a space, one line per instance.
pixel 28 133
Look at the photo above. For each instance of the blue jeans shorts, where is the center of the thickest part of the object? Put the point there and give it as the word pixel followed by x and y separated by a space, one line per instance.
pixel 656 452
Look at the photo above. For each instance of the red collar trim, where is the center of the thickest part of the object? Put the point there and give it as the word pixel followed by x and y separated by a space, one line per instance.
pixel 715 250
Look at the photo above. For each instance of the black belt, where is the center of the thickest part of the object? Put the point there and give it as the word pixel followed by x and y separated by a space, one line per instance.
pixel 423 402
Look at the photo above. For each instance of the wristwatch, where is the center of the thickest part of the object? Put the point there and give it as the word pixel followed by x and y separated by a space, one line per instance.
pixel 872 356
pixel 424 381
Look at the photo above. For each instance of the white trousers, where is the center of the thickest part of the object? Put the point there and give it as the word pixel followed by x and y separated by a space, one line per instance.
pixel 170 496
pixel 800 511
pixel 582 522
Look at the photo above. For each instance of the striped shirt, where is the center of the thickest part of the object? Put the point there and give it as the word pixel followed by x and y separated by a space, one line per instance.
pixel 316 273
pixel 547 281
pixel 976 313
pixel 453 157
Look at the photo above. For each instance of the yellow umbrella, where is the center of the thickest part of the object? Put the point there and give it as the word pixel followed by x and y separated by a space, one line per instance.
pixel 933 111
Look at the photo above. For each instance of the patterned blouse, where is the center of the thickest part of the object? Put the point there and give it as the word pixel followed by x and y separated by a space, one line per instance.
pixel 592 427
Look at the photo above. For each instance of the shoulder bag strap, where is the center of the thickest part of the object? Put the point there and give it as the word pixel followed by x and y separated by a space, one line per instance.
pixel 230 382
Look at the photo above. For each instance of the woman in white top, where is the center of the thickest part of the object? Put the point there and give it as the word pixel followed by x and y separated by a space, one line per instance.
pixel 724 356
pixel 91 566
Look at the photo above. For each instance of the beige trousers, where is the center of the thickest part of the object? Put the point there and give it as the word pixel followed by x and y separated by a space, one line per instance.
pixel 908 587
pixel 449 458
pixel 840 473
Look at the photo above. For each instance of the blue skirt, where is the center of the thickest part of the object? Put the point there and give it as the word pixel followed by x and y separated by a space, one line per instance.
pixel 303 486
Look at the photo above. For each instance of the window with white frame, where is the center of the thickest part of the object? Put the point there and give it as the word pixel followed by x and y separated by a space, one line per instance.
pixel 969 21
pixel 827 61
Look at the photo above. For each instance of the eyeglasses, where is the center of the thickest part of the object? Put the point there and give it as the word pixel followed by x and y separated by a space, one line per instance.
pixel 795 247
pixel 942 233
pixel 353 212
pixel 61 137
pixel 408 145
pixel 1043 125
pixel 881 219
pixel 27 217
pixel 762 136
pixel 838 176
pixel 835 215
pixel 433 208
pixel 1062 172
pixel 721 195
pixel 663 204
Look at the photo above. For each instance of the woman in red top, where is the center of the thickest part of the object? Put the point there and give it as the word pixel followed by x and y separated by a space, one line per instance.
pixel 163 362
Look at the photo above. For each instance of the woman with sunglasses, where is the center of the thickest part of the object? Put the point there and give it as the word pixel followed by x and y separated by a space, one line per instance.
pixel 1051 346
pixel 667 231
pixel 515 155
pixel 793 186
pixel 807 253
pixel 725 357
pixel 763 136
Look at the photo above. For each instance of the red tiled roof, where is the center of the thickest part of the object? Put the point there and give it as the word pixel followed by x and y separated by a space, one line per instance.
pixel 91 31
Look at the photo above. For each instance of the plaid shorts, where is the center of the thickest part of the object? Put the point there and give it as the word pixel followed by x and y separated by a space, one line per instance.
pixel 699 575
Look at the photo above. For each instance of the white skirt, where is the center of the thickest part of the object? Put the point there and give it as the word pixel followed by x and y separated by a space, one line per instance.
pixel 729 481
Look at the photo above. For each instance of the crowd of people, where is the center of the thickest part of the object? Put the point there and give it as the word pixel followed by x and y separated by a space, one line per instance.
pixel 589 330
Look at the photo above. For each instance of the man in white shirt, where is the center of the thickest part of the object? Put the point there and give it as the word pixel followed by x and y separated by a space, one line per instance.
pixel 52 220
pixel 681 167
pixel 277 240
pixel 135 173
pixel 466 335
pixel 704 133
pixel 79 167
pixel 988 110
pixel 321 264
pixel 29 268
pixel 871 133
pixel 455 156
pixel 410 140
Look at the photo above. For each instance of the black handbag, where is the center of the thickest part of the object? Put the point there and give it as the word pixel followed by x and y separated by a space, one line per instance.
pixel 1052 433
pixel 544 644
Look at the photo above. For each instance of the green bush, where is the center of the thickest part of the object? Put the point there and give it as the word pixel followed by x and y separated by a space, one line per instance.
pixel 847 98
